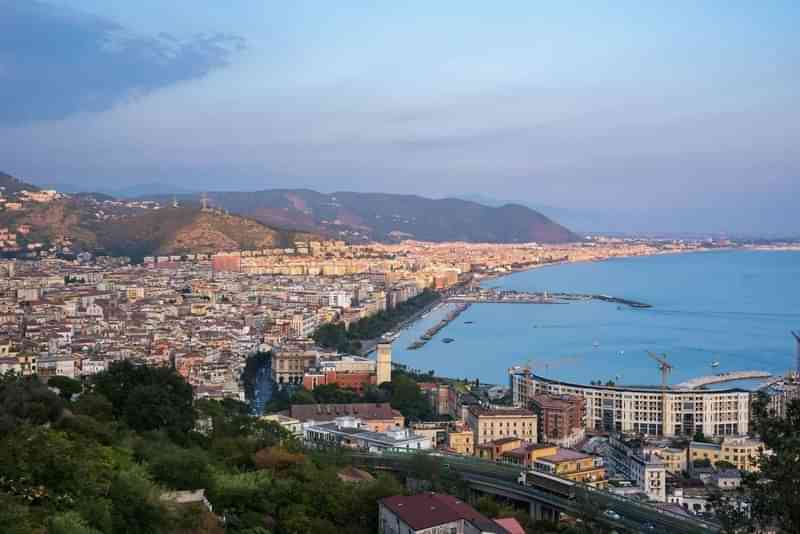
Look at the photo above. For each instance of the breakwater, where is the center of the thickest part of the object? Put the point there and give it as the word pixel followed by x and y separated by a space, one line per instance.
pixel 435 329
pixel 495 296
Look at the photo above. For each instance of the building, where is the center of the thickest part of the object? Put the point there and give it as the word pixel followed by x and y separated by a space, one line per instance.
pixel 292 425
pixel 573 465
pixel 354 433
pixel 460 441
pixel 378 417
pixel 347 372
pixel 438 395
pixel 643 468
pixel 384 363
pixel 290 362
pixel 432 513
pixel 743 453
pixel 560 418
pixel 674 460
pixel 494 424
pixel 495 450
pixel 648 411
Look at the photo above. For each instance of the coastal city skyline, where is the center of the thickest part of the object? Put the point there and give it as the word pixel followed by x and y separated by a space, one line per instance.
pixel 399 268
pixel 640 118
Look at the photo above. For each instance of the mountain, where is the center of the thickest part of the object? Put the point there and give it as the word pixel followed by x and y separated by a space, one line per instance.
pixel 106 225
pixel 10 184
pixel 391 217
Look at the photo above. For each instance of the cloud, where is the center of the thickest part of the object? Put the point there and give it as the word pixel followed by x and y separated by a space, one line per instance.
pixel 55 61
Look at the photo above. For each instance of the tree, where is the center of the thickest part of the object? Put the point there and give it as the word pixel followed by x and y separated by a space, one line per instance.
pixel 67 387
pixel 700 437
pixel 70 523
pixel 774 492
pixel 94 405
pixel 732 510
pixel 152 407
pixel 137 508
pixel 724 464
pixel 147 398
pixel 407 397
pixel 25 400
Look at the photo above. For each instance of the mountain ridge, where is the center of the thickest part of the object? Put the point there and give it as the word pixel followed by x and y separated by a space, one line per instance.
pixel 102 224
pixel 389 217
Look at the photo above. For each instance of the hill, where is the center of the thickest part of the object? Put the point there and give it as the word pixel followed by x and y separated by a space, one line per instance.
pixel 189 230
pixel 102 224
pixel 11 185
pixel 391 217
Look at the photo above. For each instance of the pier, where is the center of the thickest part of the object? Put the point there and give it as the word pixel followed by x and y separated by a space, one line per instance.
pixel 496 296
pixel 721 378
pixel 435 329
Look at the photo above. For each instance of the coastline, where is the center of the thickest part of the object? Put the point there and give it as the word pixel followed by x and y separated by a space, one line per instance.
pixel 445 367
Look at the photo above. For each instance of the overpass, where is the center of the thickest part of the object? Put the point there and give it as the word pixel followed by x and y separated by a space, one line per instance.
pixel 501 480
pixel 721 378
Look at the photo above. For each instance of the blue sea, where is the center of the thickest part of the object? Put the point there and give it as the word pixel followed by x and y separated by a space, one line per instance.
pixel 734 307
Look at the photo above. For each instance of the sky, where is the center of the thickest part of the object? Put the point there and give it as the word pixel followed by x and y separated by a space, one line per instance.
pixel 678 114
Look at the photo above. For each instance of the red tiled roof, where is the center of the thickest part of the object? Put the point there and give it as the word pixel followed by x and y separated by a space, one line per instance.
pixel 328 412
pixel 426 510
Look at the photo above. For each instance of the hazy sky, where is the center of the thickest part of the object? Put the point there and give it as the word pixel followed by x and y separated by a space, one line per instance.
pixel 687 106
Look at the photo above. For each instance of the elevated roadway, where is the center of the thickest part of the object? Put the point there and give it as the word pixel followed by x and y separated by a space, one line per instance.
pixel 501 480
pixel 721 378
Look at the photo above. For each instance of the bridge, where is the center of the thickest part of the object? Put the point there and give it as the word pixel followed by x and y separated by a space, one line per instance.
pixel 721 378
pixel 588 503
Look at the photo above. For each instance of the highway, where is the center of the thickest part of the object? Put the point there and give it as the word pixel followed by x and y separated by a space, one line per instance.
pixel 501 480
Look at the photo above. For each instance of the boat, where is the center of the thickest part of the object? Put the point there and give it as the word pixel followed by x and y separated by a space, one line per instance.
pixel 448 340
pixel 469 322
pixel 596 344
pixel 715 364
pixel 621 353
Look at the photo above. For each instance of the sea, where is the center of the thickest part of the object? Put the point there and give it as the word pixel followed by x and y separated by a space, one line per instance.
pixel 734 307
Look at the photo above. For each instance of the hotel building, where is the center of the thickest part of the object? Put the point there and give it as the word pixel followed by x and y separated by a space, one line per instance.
pixel 648 411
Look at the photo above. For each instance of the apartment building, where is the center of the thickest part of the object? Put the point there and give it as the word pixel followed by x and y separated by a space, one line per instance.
pixel 647 411
pixel 628 458
pixel 743 453
pixel 560 418
pixel 493 424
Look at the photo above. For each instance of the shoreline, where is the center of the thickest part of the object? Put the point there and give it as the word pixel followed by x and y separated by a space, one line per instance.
pixel 495 276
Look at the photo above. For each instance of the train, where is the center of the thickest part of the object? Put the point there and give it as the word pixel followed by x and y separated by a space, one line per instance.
pixel 548 483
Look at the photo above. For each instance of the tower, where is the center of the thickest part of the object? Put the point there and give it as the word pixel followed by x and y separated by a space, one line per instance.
pixel 797 339
pixel 383 367
pixel 204 201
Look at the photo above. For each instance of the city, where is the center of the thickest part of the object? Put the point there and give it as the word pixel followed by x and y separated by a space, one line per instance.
pixel 399 267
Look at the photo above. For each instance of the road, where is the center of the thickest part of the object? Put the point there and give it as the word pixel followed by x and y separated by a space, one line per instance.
pixel 501 479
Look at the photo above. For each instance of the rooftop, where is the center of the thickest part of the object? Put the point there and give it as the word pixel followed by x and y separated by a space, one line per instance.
pixel 426 510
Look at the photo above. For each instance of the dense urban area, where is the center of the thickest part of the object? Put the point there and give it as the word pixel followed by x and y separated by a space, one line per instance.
pixel 254 391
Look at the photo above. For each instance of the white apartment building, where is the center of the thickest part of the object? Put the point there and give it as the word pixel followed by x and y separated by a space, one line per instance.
pixel 646 470
pixel 648 411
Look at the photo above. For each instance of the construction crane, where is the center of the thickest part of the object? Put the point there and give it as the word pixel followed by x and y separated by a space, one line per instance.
pixel 665 369
pixel 663 365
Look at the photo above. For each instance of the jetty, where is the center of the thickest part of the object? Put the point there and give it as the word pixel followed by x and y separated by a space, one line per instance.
pixel 435 329
pixel 721 378
pixel 498 296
